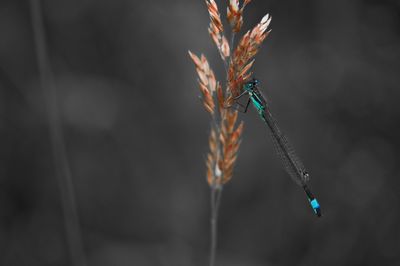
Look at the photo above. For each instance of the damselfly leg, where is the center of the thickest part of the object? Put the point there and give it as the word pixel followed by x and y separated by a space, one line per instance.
pixel 243 106
pixel 243 93
pixel 237 103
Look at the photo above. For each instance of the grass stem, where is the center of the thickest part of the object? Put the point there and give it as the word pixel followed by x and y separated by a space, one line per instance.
pixel 215 202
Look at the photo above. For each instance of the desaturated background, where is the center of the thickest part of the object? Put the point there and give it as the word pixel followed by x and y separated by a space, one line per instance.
pixel 136 135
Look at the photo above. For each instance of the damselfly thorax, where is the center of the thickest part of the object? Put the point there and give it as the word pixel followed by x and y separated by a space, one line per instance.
pixel 255 96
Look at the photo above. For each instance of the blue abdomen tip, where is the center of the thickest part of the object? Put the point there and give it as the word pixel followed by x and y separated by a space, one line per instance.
pixel 314 204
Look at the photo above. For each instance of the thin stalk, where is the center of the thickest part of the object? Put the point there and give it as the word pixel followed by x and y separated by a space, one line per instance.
pixel 62 168
pixel 232 42
pixel 215 202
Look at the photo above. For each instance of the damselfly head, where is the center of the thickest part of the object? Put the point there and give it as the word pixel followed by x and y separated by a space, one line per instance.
pixel 250 85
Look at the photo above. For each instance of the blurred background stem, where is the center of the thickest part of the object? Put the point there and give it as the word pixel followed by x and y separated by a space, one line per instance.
pixel 62 168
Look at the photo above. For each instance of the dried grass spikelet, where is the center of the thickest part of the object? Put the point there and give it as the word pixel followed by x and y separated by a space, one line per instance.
pixel 230 140
pixel 235 15
pixel 221 99
pixel 225 50
pixel 216 29
pixel 212 159
pixel 206 81
pixel 223 150
pixel 240 65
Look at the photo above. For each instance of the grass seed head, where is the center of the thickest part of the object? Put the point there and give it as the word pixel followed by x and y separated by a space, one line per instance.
pixel 225 134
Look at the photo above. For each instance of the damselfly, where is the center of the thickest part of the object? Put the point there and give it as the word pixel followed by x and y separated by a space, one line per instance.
pixel 291 162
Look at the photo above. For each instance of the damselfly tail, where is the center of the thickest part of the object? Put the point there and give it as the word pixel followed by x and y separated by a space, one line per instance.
pixel 313 201
pixel 291 162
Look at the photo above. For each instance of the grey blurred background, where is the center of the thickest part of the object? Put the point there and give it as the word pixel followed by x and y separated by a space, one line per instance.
pixel 136 135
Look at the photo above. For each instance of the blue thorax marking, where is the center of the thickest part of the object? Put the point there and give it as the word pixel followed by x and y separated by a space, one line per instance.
pixel 258 103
